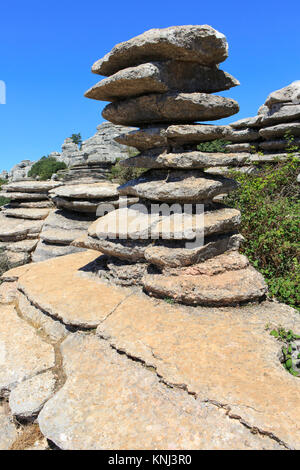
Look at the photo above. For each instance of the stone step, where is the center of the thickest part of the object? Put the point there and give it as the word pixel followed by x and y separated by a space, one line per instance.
pixel 169 107
pixel 31 214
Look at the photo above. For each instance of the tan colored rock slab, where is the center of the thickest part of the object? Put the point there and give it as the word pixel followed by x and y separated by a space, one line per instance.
pixel 14 274
pixel 8 431
pixel 66 295
pixel 54 329
pixel 200 43
pixel 15 230
pixel 112 402
pixel 169 107
pixel 27 399
pixel 227 288
pixel 225 356
pixel 17 258
pixel 31 186
pixel 8 292
pixel 23 354
pixel 31 205
pixel 177 185
pixel 25 246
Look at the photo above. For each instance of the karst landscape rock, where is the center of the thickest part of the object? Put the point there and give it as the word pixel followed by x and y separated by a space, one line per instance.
pixel 123 329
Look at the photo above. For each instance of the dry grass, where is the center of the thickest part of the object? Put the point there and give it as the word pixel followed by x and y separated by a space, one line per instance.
pixel 28 436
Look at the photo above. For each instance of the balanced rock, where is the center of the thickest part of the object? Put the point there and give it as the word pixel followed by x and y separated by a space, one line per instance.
pixel 170 107
pixel 161 77
pixel 201 44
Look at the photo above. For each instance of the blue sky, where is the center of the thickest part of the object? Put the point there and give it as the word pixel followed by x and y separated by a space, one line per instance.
pixel 47 49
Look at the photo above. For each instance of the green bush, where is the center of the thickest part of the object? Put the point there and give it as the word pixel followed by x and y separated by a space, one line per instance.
pixel 122 174
pixel 213 146
pixel 45 168
pixel 3 200
pixel 269 202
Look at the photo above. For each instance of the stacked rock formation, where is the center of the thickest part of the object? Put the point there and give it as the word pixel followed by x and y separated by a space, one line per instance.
pixel 22 219
pixel 94 160
pixel 158 81
pixel 277 125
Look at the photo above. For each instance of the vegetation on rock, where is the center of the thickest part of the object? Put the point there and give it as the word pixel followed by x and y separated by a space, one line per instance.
pixel 45 168
pixel 77 139
pixel 121 174
pixel 270 210
pixel 3 200
pixel 213 146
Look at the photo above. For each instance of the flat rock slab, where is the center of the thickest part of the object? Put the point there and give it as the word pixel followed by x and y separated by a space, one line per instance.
pixel 15 230
pixel 163 135
pixel 225 356
pixel 286 113
pixel 134 223
pixel 161 77
pixel 112 402
pixel 77 205
pixel 8 431
pixel 23 354
pixel 227 288
pixel 87 191
pixel 179 186
pixel 288 94
pixel 130 250
pixel 184 160
pixel 67 294
pixel 169 107
pixel 59 236
pixel 45 251
pixel 31 186
pixel 281 144
pixel 31 214
pixel 28 398
pixel 31 205
pixel 200 43
pixel 8 292
pixel 293 128
pixel 24 246
pixel 18 196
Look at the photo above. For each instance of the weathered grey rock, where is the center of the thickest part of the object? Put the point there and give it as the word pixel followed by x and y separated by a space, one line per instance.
pixel 163 136
pixel 184 160
pixel 77 205
pixel 288 94
pixel 31 186
pixel 60 236
pixel 271 158
pixel 177 185
pixel 31 214
pixel 23 354
pixel 201 44
pixel 247 122
pixel 30 205
pixel 146 413
pixel 170 107
pixel 271 145
pixel 25 246
pixel 8 431
pixel 226 288
pixel 161 77
pixel 66 220
pixel 292 128
pixel 286 113
pixel 136 223
pixel 243 147
pixel 45 251
pixel 27 398
pixel 130 250
pixel 20 171
pixel 14 196
pixel 168 255
pixel 15 230
pixel 17 258
pixel 87 191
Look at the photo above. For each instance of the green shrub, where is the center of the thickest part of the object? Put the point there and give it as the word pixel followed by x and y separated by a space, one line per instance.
pixel 270 209
pixel 3 200
pixel 213 146
pixel 122 174
pixel 45 168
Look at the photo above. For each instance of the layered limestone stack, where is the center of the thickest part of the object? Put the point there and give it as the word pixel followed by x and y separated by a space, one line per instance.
pixel 94 160
pixel 162 81
pixel 277 125
pixel 22 219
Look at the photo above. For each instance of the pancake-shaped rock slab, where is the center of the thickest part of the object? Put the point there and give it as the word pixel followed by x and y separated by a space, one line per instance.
pixel 68 295
pixel 31 186
pixel 161 77
pixel 31 214
pixel 201 44
pixel 179 186
pixel 86 191
pixel 170 107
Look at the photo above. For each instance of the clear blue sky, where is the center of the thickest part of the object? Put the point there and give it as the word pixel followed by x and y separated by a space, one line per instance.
pixel 47 49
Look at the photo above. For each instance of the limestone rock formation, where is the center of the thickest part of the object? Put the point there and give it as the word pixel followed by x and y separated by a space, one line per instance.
pixel 277 123
pixel 144 379
pixel 158 95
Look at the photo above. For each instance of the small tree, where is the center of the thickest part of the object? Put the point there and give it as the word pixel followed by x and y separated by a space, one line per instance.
pixel 77 139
